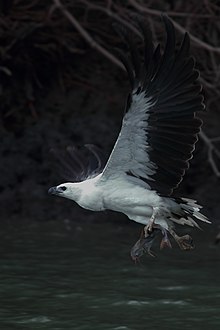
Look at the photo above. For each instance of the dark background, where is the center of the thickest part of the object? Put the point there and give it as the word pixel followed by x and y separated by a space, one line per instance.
pixel 58 88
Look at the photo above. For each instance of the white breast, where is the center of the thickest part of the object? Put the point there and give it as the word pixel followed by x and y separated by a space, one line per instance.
pixel 91 197
pixel 133 200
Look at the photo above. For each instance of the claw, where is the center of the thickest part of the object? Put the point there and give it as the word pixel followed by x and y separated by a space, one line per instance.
pixel 165 243
pixel 185 242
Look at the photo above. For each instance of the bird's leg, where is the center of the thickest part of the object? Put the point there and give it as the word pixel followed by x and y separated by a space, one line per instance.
pixel 185 242
pixel 149 227
pixel 165 242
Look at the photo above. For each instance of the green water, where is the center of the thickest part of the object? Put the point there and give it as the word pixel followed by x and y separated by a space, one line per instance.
pixel 54 276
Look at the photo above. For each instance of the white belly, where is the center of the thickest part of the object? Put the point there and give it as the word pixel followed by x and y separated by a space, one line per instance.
pixel 120 195
pixel 134 201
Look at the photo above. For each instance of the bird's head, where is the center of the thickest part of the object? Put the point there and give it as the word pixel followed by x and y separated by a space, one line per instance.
pixel 67 190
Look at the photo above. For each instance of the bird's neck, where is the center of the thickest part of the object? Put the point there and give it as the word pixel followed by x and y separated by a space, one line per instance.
pixel 74 192
pixel 90 196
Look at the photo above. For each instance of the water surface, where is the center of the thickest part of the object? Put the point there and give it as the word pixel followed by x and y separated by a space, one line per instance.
pixel 55 276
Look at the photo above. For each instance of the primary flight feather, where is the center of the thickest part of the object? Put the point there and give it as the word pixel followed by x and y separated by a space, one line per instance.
pixel 156 142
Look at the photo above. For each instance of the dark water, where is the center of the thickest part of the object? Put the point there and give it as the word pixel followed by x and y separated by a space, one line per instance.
pixel 55 277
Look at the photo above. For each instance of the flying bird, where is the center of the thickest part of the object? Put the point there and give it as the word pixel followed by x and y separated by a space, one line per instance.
pixel 157 139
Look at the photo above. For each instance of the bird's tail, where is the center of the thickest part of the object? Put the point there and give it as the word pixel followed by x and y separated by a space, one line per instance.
pixel 190 213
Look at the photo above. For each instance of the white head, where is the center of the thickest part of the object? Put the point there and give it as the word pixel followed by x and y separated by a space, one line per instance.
pixel 67 190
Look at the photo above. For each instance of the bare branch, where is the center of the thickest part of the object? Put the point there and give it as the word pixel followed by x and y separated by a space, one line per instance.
pixel 211 151
pixel 196 40
pixel 86 35
pixel 111 14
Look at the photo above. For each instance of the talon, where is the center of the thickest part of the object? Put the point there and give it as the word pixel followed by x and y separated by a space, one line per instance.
pixel 185 242
pixel 148 230
pixel 165 243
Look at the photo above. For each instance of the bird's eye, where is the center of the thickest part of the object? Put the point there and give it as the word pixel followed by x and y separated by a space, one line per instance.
pixel 63 188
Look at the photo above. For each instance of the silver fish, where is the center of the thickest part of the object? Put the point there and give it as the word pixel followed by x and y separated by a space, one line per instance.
pixel 143 245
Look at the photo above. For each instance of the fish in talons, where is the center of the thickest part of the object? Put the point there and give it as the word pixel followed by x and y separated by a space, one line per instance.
pixel 144 244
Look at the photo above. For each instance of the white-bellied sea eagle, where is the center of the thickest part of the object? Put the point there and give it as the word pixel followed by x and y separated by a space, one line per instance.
pixel 153 149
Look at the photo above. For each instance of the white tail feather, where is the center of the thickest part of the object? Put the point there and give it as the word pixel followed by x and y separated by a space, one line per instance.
pixel 191 208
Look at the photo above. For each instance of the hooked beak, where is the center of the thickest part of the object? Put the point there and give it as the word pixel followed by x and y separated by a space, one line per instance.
pixel 54 191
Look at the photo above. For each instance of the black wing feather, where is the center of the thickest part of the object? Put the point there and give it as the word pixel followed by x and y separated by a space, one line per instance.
pixel 171 82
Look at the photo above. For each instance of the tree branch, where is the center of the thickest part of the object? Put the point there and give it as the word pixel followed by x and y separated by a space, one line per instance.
pixel 85 34
pixel 196 40
pixel 211 151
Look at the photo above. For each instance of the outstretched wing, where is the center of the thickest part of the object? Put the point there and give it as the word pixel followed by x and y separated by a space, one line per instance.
pixel 159 129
